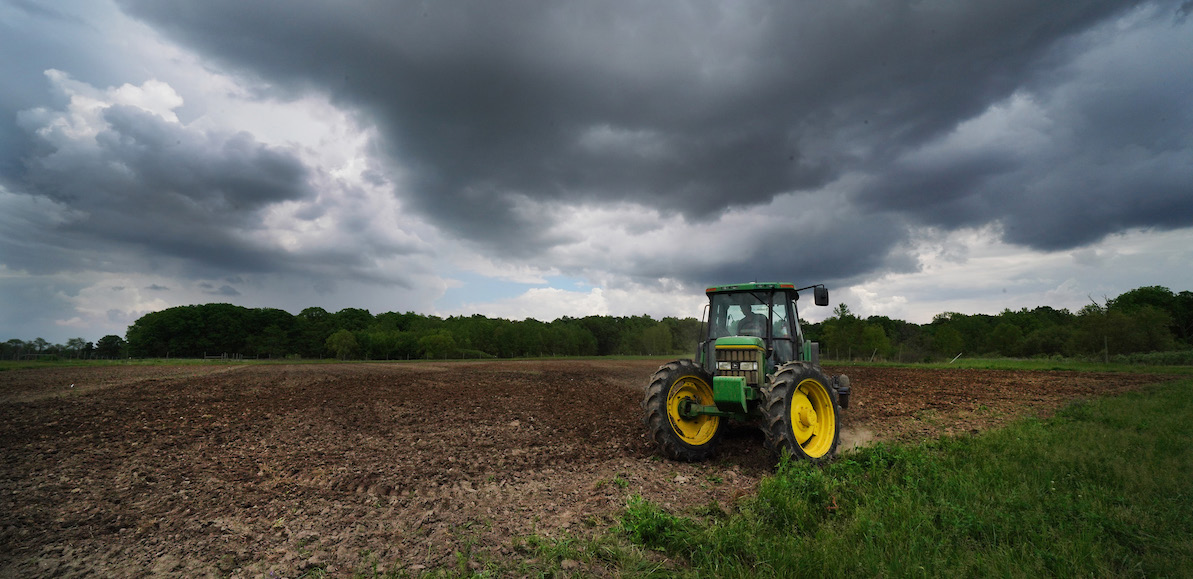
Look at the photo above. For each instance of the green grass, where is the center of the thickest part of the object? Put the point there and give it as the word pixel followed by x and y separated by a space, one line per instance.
pixel 1105 488
pixel 1069 364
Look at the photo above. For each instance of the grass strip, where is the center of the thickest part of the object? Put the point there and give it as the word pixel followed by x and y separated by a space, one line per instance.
pixel 1031 364
pixel 1104 488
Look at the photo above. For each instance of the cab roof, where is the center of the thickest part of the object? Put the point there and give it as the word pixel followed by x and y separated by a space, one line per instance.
pixel 751 286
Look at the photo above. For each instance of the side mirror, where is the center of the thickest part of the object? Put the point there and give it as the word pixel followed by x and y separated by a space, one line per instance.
pixel 820 295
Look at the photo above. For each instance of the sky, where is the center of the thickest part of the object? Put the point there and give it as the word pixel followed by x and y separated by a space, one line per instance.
pixel 543 159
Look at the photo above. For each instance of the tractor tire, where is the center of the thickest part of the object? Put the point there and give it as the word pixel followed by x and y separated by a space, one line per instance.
pixel 801 414
pixel 679 438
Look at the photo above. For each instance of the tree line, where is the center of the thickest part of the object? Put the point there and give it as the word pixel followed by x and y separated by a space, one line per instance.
pixel 1136 323
pixel 352 333
pixel 74 348
pixel 1130 327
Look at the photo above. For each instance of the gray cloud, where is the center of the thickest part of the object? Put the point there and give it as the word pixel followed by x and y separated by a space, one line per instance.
pixel 688 107
pixel 1054 124
pixel 224 290
pixel 155 188
pixel 35 37
pixel 32 307
pixel 1110 150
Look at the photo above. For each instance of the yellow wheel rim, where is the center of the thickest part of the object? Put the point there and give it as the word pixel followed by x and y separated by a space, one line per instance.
pixel 813 418
pixel 695 431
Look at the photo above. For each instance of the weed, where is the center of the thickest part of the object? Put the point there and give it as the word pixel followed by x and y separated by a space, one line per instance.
pixel 314 572
pixel 302 546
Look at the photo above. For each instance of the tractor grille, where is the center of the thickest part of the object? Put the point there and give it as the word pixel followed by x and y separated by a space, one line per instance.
pixel 735 356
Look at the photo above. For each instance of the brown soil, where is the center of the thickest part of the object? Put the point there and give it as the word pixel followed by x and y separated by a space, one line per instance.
pixel 276 470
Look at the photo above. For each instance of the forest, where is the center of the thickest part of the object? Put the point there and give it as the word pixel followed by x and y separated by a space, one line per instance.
pixel 1149 324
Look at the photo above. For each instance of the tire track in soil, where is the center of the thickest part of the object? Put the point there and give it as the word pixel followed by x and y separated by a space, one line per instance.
pixel 286 468
pixel 30 384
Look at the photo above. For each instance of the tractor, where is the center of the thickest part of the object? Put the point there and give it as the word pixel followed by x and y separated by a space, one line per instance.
pixel 753 363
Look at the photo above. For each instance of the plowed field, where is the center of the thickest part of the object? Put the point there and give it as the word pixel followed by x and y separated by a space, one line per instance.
pixel 259 469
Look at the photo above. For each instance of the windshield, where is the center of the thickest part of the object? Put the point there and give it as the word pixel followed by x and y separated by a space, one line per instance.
pixel 749 314
pixel 738 314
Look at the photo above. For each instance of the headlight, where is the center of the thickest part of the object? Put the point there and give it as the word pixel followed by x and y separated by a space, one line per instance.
pixel 724 365
pixel 749 366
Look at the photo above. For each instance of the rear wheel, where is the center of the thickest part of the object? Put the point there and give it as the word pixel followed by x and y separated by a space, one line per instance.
pixel 802 415
pixel 679 437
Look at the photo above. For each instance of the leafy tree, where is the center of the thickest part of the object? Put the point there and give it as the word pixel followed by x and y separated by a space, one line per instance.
pixel 272 342
pixel 1149 330
pixel 190 331
pixel 393 321
pixel 353 319
pixel 1182 317
pixel 974 330
pixel 1007 339
pixel 844 335
pixel 605 331
pixel 1048 341
pixel 1109 330
pixel 1178 308
pixel 75 346
pixel 222 328
pixel 657 339
pixel 110 347
pixel 874 340
pixel 12 349
pixel 343 343
pixel 311 329
pixel 1158 297
pixel 438 345
pixel 948 341
pixel 685 333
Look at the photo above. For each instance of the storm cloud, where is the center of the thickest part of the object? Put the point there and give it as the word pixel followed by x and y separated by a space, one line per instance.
pixel 628 144
pixel 144 180
pixel 688 107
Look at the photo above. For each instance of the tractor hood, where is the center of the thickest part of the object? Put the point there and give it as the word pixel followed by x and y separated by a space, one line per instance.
pixel 740 342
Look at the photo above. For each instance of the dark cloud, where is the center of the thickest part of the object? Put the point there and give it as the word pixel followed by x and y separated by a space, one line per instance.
pixel 156 188
pixel 1102 145
pixel 840 251
pixel 34 37
pixel 224 290
pixel 689 108
pixel 1054 124
pixel 33 307
pixel 224 176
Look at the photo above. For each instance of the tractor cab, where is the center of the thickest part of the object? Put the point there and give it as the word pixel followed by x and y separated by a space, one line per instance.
pixel 758 317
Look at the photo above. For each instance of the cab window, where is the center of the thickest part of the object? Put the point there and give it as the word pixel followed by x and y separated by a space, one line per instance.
pixel 742 314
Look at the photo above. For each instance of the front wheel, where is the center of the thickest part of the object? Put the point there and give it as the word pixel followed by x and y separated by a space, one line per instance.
pixel 681 437
pixel 802 415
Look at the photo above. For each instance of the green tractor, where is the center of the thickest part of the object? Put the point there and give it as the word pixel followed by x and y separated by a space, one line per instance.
pixel 753 363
